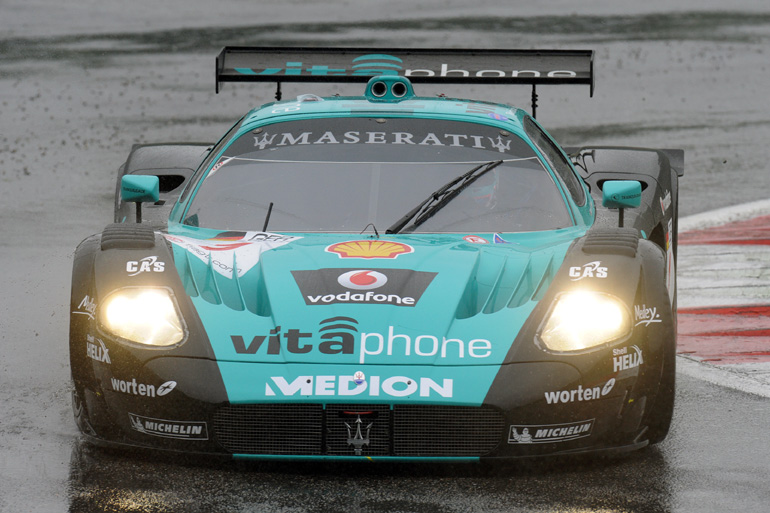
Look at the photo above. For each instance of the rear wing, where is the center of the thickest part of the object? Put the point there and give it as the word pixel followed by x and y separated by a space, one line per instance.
pixel 421 65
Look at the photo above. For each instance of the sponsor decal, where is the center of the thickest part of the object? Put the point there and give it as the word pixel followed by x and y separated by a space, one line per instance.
pixel 362 279
pixel 399 287
pixel 384 64
pixel 589 270
pixel 375 386
pixel 580 394
pixel 646 316
pixel 222 161
pixel 277 140
pixel 489 110
pixel 187 430
pixel 141 389
pixel 665 202
pixel 670 271
pixel 227 248
pixel 369 249
pixel 87 307
pixel 619 197
pixel 339 336
pixel 475 239
pixel 498 239
pixel 549 433
pixel 623 360
pixel 96 350
pixel 148 264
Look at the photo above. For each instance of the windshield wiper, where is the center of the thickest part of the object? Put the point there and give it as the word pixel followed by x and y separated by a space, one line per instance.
pixel 267 217
pixel 436 201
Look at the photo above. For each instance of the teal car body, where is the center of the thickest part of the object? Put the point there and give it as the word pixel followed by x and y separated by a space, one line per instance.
pixel 385 276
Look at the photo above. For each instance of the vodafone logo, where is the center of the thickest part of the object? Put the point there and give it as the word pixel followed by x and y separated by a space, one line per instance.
pixel 362 280
pixel 396 287
pixel 475 239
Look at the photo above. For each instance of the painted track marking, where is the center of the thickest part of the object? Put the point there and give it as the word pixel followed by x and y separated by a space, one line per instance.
pixel 724 297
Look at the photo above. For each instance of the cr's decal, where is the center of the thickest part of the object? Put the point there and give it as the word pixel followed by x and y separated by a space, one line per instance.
pixel 589 270
pixel 148 264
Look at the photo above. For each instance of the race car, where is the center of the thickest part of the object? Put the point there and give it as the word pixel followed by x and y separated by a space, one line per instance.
pixel 382 277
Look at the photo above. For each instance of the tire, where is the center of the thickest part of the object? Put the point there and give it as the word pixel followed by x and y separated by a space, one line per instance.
pixel 663 408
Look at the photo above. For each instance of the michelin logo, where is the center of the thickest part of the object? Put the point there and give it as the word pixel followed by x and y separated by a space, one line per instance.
pixel 169 428
pixel 530 434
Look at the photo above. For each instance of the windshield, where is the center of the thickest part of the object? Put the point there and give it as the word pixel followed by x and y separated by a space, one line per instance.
pixel 345 174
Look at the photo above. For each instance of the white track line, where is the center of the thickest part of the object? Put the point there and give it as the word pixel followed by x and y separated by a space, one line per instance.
pixel 724 216
pixel 729 376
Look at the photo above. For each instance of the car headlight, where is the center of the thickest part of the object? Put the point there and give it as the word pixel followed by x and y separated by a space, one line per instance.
pixel 142 315
pixel 584 319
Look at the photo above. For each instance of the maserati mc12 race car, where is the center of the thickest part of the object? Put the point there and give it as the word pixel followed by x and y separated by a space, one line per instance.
pixel 382 277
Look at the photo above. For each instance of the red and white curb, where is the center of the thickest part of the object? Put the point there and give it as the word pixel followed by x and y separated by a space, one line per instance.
pixel 723 295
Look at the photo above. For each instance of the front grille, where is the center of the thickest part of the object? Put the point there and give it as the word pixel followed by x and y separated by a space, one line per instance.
pixel 356 429
pixel 438 430
pixel 270 428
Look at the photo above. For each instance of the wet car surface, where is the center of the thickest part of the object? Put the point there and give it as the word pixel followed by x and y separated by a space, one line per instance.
pixel 78 89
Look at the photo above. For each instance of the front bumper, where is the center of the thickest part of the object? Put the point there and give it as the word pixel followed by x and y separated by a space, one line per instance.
pixel 168 406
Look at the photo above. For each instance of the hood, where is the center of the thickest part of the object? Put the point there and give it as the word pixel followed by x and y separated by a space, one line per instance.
pixel 337 299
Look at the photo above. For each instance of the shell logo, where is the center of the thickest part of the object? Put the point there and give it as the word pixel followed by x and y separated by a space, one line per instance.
pixel 369 249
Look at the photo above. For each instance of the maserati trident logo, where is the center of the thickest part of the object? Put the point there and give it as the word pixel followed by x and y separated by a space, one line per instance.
pixel 499 145
pixel 265 141
pixel 356 437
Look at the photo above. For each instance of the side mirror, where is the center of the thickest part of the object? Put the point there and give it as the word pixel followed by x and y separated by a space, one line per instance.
pixel 139 189
pixel 621 194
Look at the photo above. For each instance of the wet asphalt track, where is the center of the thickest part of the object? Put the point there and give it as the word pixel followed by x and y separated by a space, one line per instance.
pixel 81 81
